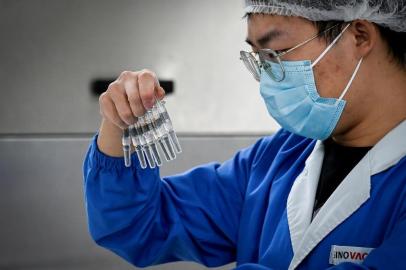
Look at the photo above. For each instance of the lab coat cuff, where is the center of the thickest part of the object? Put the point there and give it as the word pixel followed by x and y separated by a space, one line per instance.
pixel 102 160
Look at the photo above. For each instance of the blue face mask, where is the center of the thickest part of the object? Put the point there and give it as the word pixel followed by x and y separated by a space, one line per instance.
pixel 295 103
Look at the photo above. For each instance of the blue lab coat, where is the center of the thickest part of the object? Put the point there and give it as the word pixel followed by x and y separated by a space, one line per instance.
pixel 255 209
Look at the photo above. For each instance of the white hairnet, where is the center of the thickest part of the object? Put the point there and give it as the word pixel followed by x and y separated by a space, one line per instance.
pixel 389 13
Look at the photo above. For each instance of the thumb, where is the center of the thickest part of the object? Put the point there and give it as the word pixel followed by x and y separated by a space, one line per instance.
pixel 160 93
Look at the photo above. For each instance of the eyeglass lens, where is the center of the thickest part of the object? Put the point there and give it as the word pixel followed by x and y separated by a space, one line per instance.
pixel 274 67
pixel 252 64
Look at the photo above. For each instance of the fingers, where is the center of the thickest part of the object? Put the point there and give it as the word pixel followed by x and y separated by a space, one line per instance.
pixel 148 85
pixel 130 96
pixel 133 96
pixel 109 111
pixel 120 100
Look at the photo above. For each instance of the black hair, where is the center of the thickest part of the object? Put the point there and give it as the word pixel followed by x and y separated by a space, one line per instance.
pixel 396 41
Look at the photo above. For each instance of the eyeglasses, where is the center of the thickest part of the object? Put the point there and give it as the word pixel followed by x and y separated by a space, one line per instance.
pixel 256 61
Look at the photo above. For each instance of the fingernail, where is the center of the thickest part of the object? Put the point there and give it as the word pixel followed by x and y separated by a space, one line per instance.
pixel 151 104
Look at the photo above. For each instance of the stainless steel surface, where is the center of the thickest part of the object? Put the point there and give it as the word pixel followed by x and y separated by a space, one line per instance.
pixel 52 49
pixel 42 219
pixel 50 52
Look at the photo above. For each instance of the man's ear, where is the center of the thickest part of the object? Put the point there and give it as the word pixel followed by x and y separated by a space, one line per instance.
pixel 365 36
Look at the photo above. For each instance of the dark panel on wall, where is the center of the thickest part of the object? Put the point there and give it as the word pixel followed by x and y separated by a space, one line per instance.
pixel 98 86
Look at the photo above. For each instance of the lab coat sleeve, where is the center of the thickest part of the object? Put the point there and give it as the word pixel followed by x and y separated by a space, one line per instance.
pixel 252 266
pixel 147 220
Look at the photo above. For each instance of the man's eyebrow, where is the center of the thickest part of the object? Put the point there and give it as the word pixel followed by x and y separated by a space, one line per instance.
pixel 265 39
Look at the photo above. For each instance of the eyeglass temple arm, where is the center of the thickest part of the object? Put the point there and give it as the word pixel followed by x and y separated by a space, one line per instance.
pixel 306 41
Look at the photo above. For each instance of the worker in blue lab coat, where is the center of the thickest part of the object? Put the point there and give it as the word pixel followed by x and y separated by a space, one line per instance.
pixel 327 191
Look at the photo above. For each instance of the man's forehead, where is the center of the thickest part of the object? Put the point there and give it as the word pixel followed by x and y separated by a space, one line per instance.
pixel 263 22
pixel 265 27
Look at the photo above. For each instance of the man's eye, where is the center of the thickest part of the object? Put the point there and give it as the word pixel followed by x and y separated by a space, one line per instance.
pixel 281 51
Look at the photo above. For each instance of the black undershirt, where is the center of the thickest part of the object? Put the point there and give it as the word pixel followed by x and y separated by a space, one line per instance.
pixel 338 161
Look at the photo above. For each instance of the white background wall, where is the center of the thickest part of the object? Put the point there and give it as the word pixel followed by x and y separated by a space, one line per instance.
pixel 50 50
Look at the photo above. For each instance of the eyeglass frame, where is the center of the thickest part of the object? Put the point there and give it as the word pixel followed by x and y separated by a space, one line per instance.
pixel 263 55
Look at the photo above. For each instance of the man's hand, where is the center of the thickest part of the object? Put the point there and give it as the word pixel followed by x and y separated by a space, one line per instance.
pixel 126 98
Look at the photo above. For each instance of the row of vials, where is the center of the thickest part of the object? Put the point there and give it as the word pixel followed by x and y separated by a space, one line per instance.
pixel 152 129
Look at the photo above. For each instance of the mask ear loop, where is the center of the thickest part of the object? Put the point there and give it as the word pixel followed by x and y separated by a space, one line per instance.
pixel 351 80
pixel 330 46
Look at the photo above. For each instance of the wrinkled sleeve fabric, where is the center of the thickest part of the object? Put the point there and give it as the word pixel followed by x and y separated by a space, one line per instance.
pixel 149 220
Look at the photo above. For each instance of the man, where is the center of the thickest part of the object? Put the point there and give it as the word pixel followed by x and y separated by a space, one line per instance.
pixel 326 191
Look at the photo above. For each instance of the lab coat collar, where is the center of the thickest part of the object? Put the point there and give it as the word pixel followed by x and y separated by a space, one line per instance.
pixel 345 200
